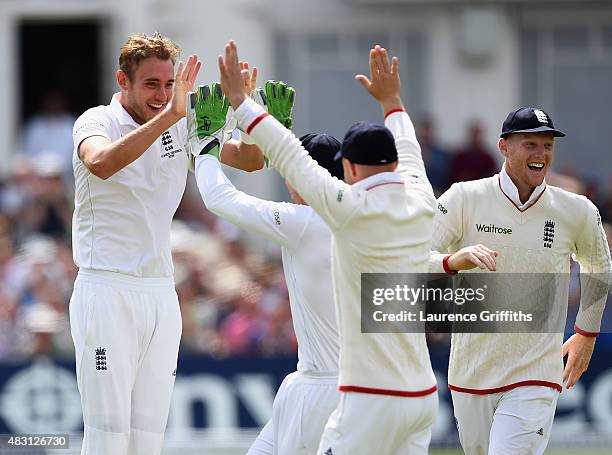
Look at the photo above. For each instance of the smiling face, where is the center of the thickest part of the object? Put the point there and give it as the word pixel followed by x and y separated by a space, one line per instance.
pixel 528 157
pixel 148 90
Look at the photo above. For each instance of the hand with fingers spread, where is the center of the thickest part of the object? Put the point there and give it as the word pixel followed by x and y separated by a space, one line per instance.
pixel 276 97
pixel 384 82
pixel 473 256
pixel 232 75
pixel 578 349
pixel 184 79
pixel 249 77
pixel 207 120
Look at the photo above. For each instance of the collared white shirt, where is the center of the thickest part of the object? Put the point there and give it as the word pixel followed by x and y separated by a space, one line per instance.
pixel 382 178
pixel 122 224
pixel 382 224
pixel 510 190
pixel 306 250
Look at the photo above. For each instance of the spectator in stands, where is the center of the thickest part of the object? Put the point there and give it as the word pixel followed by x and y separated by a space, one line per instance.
pixel 435 156
pixel 50 131
pixel 473 160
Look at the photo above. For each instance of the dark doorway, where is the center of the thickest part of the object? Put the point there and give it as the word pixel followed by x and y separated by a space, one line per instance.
pixel 60 56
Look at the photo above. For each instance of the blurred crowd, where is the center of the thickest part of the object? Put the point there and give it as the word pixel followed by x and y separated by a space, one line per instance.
pixel 233 298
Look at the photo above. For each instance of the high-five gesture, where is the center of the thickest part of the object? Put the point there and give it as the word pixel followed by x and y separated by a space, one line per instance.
pixel 184 79
pixel 232 75
pixel 384 81
pixel 277 99
pixel 249 77
pixel 207 121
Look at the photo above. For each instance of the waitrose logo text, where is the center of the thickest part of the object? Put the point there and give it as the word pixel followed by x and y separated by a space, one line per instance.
pixel 493 229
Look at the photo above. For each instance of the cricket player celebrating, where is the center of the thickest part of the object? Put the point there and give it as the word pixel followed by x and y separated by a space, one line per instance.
pixel 306 397
pixel 130 165
pixel 505 386
pixel 381 221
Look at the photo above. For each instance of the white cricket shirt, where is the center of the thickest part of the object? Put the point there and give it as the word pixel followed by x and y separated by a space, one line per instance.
pixel 539 238
pixel 381 224
pixel 122 224
pixel 306 251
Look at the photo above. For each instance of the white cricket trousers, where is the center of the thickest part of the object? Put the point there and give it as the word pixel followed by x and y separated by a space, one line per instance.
pixel 126 334
pixel 302 405
pixel 368 424
pixel 517 421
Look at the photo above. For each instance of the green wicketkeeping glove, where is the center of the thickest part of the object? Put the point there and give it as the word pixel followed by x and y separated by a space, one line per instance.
pixel 278 100
pixel 209 122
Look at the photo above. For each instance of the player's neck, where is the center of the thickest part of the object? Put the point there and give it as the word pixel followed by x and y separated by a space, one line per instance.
pixel 123 100
pixel 524 190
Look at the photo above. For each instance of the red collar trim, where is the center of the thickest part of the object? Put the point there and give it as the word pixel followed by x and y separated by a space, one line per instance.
pixel 383 183
pixel 512 202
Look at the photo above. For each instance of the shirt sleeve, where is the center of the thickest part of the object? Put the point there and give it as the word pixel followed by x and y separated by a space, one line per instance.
pixel 93 122
pixel 448 227
pixel 593 255
pixel 334 200
pixel 410 162
pixel 280 222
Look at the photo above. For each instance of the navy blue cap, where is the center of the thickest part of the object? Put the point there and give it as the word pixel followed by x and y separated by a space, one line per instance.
pixel 325 150
pixel 528 120
pixel 369 143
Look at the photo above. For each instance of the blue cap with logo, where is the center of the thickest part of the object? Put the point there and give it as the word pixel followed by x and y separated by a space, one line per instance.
pixel 528 120
pixel 369 143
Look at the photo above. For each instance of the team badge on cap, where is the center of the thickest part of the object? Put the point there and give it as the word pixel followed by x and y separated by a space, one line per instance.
pixel 529 120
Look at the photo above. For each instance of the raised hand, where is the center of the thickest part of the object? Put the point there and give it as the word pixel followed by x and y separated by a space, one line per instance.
pixel 384 82
pixel 250 80
pixel 277 99
pixel 183 83
pixel 207 120
pixel 232 77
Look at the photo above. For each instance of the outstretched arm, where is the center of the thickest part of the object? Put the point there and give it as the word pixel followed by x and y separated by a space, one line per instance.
pixel 384 85
pixel 244 154
pixel 331 198
pixel 281 222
